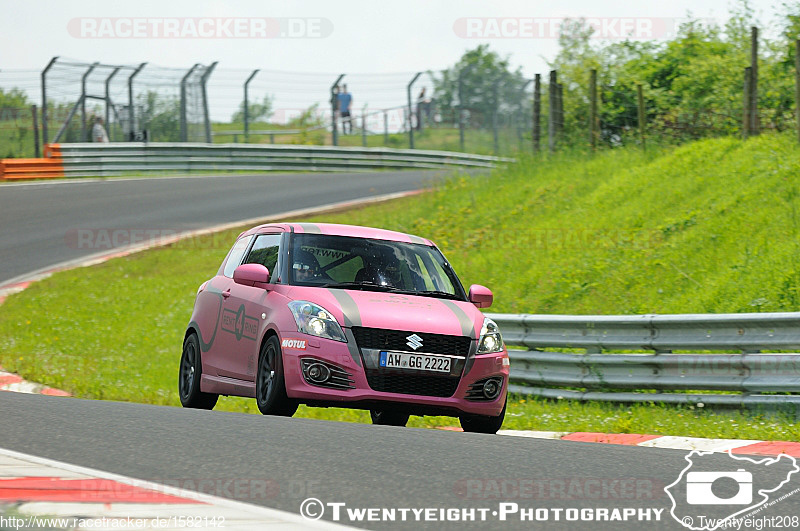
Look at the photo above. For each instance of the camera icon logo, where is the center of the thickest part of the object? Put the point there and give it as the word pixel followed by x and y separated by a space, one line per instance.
pixel 700 487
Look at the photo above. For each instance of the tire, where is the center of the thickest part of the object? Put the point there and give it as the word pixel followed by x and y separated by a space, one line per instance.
pixel 191 369
pixel 482 424
pixel 388 418
pixel 270 383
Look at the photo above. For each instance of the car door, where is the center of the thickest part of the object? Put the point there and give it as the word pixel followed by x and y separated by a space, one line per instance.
pixel 242 312
pixel 213 299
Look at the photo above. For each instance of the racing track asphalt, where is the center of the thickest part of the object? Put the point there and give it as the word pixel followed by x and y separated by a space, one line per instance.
pixel 36 218
pixel 360 465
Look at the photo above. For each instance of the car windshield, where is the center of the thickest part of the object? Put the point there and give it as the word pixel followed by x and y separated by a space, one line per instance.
pixel 373 265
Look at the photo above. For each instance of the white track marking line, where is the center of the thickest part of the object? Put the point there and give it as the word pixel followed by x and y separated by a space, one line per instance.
pixel 254 514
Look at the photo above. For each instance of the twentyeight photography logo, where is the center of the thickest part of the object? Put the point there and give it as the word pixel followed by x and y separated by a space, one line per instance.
pixel 713 492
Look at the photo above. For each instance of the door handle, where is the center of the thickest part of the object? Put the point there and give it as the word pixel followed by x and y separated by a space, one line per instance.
pixel 226 293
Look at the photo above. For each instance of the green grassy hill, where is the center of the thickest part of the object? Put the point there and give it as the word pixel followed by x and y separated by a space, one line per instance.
pixel 709 227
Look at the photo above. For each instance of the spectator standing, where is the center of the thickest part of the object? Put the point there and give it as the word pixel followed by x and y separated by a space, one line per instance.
pixel 99 133
pixel 345 104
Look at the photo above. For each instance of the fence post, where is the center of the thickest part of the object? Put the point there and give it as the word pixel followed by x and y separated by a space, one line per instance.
pixel 495 106
pixel 640 100
pixel 754 121
pixel 385 128
pixel 747 99
pixel 203 81
pixel 131 112
pixel 552 109
pixel 45 138
pixel 593 108
pixel 334 103
pixel 461 73
pixel 411 111
pixel 246 114
pixel 364 126
pixel 108 99
pixel 797 85
pixel 537 111
pixel 34 112
pixel 83 100
pixel 183 124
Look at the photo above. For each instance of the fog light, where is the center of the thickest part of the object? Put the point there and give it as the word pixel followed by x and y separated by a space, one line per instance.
pixel 491 389
pixel 318 373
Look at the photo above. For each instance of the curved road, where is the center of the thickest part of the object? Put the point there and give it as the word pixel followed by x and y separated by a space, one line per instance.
pixel 38 221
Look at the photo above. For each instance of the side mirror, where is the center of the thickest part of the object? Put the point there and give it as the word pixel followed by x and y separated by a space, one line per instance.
pixel 480 296
pixel 255 275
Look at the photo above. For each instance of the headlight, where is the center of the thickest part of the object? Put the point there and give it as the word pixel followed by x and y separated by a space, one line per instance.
pixel 491 340
pixel 316 321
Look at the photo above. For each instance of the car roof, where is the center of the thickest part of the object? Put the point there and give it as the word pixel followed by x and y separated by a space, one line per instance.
pixel 335 229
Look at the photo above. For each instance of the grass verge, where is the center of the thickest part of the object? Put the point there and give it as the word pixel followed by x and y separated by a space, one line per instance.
pixel 708 227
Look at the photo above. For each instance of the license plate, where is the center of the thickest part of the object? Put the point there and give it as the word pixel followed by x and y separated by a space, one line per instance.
pixel 422 362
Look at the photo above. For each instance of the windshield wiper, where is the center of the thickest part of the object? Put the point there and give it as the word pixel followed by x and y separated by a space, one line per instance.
pixel 359 285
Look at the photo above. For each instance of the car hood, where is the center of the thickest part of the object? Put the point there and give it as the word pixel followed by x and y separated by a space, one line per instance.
pixel 393 311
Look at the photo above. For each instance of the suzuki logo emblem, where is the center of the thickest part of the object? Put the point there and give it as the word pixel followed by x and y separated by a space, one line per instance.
pixel 414 341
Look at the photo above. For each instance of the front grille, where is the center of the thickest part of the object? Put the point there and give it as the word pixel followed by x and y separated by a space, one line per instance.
pixel 412 384
pixel 380 339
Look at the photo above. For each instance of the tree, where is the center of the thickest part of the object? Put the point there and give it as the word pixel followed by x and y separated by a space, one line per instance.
pixel 484 71
pixel 256 111
pixel 160 116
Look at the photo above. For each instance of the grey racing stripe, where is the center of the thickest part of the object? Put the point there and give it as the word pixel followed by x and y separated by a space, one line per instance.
pixel 352 347
pixel 467 326
pixel 310 228
pixel 352 316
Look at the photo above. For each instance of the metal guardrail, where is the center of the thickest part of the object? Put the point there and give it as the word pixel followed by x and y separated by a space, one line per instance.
pixel 124 157
pixel 651 369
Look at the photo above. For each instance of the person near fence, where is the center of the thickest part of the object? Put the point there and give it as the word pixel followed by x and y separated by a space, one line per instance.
pixel 99 133
pixel 345 103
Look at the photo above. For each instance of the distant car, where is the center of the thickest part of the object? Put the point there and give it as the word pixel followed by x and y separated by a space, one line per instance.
pixel 344 316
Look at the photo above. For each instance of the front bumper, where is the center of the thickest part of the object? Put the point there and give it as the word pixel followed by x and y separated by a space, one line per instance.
pixel 363 396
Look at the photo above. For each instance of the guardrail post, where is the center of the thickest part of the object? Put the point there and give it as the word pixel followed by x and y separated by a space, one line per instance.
pixel 83 99
pixel 203 82
pixel 108 99
pixel 131 112
pixel 45 138
pixel 334 105
pixel 411 111
pixel 247 107
pixel 183 125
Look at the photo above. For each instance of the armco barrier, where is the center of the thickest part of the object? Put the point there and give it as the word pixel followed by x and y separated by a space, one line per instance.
pixel 91 159
pixel 760 372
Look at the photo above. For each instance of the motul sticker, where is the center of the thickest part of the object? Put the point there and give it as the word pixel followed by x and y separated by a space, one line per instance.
pixel 299 344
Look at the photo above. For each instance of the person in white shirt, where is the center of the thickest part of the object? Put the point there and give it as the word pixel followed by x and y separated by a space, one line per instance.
pixel 98 131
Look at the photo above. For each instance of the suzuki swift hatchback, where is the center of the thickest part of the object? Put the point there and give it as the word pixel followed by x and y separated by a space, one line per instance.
pixel 343 316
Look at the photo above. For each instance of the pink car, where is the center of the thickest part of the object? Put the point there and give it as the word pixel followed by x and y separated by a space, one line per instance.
pixel 344 316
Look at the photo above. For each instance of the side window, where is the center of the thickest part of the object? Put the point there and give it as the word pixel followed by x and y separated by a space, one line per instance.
pixel 235 256
pixel 265 251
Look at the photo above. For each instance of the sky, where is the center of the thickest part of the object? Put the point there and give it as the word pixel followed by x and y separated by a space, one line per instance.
pixel 378 44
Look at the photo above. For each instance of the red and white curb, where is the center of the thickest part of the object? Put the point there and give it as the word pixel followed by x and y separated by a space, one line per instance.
pixel 41 493
pixel 735 446
pixel 13 382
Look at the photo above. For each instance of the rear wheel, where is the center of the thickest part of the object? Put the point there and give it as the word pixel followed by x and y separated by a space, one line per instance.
pixel 270 385
pixel 482 424
pixel 388 418
pixel 191 369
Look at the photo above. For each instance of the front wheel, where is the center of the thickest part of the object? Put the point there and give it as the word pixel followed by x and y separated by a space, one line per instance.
pixel 482 424
pixel 388 418
pixel 191 369
pixel 270 384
